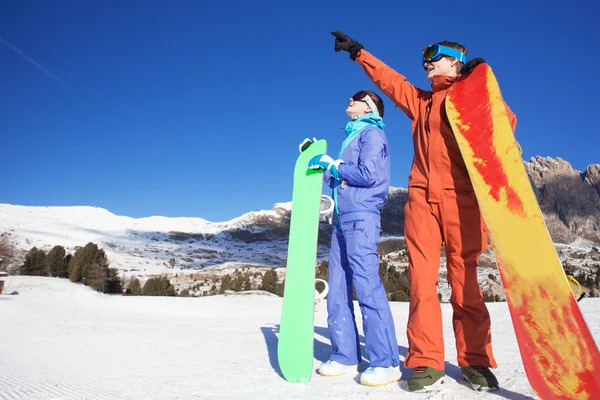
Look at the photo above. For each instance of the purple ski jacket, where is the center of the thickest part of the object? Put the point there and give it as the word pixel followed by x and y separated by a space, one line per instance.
pixel 364 174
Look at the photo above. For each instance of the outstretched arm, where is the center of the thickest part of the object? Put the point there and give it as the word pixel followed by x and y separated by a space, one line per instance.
pixel 393 84
pixel 404 94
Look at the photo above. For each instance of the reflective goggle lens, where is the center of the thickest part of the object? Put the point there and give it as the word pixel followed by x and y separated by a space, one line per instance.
pixel 436 51
pixel 432 53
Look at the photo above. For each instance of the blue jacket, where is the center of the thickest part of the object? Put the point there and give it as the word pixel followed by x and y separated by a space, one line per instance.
pixel 364 174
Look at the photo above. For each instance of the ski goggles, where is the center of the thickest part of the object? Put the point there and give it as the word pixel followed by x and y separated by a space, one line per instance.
pixel 434 52
pixel 365 98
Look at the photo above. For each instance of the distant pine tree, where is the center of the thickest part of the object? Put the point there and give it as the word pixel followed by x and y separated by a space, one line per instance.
pixel 238 282
pixel 36 263
pixel 89 265
pixel 85 262
pixel 112 284
pixel 226 283
pixel 57 262
pixel 383 274
pixel 134 287
pixel 394 281
pixel 399 295
pixel 270 281
pixel 247 282
pixel 158 286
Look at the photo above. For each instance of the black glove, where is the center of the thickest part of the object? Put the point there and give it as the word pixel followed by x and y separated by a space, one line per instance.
pixel 346 43
pixel 471 64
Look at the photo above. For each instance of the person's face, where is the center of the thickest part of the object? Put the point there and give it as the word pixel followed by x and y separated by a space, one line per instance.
pixel 357 108
pixel 444 66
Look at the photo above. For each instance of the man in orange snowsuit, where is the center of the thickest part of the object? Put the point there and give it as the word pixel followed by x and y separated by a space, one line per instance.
pixel 441 209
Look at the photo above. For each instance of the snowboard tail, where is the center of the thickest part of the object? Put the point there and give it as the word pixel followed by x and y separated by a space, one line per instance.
pixel 559 354
pixel 295 346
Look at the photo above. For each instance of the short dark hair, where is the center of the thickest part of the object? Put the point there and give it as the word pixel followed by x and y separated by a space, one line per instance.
pixel 455 46
pixel 376 99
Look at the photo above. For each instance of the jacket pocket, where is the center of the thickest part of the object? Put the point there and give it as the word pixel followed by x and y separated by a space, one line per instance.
pixel 353 226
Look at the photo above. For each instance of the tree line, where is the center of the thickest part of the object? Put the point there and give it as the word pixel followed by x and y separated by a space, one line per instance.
pixel 89 265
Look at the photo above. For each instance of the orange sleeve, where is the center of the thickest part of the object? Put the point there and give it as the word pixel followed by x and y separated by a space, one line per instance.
pixel 512 117
pixel 393 84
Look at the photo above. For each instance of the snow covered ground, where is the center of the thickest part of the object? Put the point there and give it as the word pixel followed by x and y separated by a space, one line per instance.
pixel 59 340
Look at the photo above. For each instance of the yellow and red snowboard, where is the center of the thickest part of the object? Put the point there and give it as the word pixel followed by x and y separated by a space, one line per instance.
pixel 559 353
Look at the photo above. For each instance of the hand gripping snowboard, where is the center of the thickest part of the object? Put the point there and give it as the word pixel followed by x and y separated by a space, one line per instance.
pixel 295 346
pixel 559 354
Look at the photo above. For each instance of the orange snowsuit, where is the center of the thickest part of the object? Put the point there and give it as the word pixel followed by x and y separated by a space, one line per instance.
pixel 441 209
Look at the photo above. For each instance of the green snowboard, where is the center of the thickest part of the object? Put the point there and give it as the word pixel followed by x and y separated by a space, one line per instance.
pixel 295 347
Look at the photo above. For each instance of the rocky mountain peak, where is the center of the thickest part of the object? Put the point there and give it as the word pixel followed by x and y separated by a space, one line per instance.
pixel 544 169
pixel 569 199
pixel 592 176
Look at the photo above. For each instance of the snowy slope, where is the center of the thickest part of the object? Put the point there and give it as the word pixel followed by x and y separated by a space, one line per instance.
pixel 60 340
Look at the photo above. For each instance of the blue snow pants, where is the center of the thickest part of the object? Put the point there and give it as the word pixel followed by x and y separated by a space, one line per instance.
pixel 353 260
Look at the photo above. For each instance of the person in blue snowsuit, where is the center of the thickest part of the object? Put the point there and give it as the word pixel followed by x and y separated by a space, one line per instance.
pixel 360 180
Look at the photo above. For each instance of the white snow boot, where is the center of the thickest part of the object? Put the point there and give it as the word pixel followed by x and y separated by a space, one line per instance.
pixel 380 376
pixel 334 368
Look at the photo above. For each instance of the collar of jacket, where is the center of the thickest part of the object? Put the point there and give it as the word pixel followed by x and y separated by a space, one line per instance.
pixel 442 82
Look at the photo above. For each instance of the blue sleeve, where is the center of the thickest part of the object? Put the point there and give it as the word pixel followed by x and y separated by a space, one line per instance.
pixel 373 151
pixel 328 178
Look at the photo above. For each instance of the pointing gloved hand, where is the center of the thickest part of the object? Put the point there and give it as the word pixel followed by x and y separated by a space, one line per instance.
pixel 305 143
pixel 323 161
pixel 346 43
pixel 470 65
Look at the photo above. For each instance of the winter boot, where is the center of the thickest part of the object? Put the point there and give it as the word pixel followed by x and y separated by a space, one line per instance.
pixel 480 378
pixel 425 378
pixel 334 368
pixel 379 376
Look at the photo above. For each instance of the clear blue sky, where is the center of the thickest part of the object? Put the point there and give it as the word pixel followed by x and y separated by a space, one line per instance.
pixel 196 108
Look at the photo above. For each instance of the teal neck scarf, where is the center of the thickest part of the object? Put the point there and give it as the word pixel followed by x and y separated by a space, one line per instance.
pixel 356 126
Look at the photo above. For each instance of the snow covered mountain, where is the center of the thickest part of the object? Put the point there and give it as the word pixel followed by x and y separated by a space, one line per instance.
pixel 256 240
pixel 154 244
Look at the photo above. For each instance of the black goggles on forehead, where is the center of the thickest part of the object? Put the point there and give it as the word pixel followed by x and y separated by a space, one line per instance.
pixel 365 98
pixel 360 96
